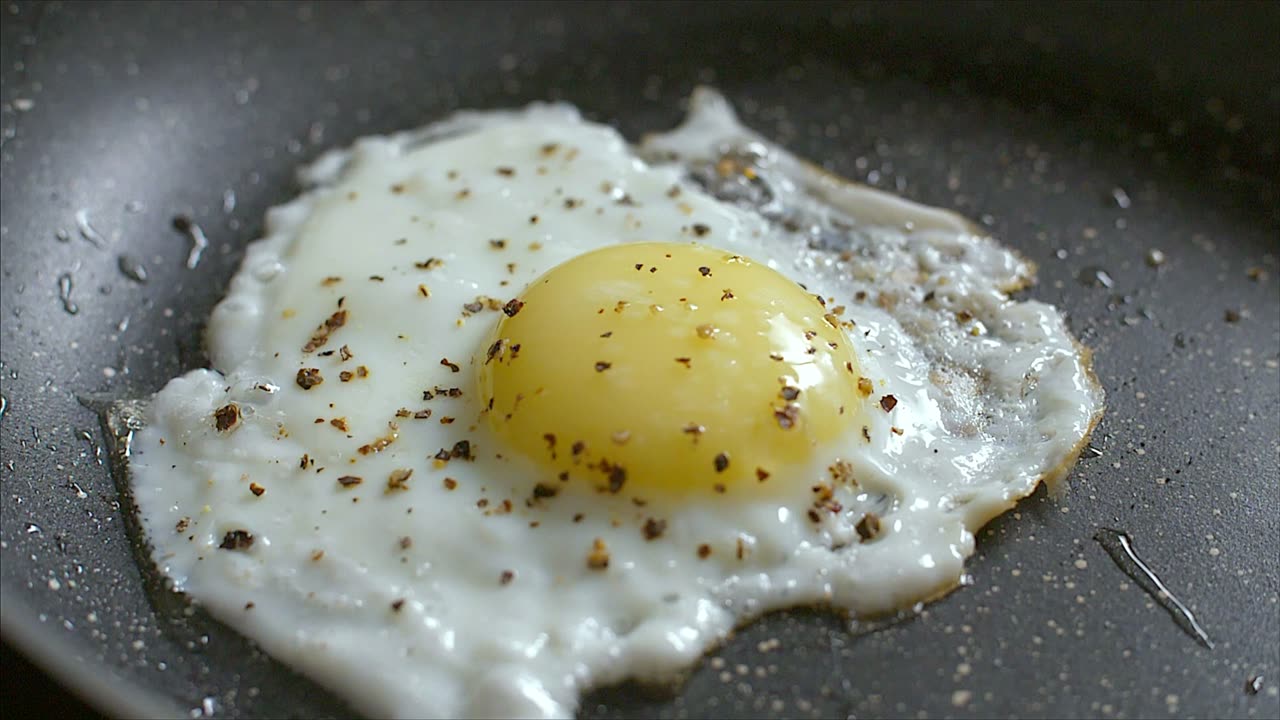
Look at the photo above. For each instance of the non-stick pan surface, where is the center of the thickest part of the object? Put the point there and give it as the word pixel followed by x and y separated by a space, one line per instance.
pixel 1097 139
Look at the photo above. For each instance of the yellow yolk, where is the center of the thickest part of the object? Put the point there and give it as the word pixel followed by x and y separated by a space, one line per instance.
pixel 661 369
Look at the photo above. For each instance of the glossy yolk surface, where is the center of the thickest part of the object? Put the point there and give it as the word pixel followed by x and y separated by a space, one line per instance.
pixel 663 370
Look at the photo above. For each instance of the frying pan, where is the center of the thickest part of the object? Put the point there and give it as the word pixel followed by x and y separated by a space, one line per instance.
pixel 1129 149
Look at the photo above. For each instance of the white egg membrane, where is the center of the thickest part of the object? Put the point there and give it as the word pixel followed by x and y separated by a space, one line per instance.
pixel 396 601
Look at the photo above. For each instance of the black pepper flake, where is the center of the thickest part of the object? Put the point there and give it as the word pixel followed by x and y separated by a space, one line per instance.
pixel 462 449
pixel 687 362
pixel 237 540
pixel 226 417
pixel 344 352
pixel 786 416
pixel 721 462
pixel 450 483
pixel 866 433
pixel 397 604
pixel 321 334
pixel 1231 316
pixel 331 280
pixel 706 271
pixel 182 525
pixel 542 490
pixel 533 219
pixel 578 447
pixel 308 378
pixel 381 443
pixel 305 461
pixel 550 148
pixel 429 264
pixel 495 351
pixel 704 551
pixel 719 488
pixel 653 528
pixel 376 278
pixel 598 558
pixel 700 230
pixel 888 403
pixel 814 516
pixel 601 366
pixel 789 393
pixel 453 367
pixel 399 479
pixel 571 203
pixel 762 474
pixel 506 171
pixel 347 481
pixel 512 307
pixel 422 414
pixel 345 376
pixel 506 577
pixel 256 489
pixel 442 454
pixel 473 307
pixel 726 294
pixel 617 478
pixel 868 527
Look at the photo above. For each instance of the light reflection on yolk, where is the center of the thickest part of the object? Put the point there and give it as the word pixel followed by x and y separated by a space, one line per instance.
pixel 662 370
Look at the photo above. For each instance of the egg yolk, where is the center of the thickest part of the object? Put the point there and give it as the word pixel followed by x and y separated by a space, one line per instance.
pixel 661 369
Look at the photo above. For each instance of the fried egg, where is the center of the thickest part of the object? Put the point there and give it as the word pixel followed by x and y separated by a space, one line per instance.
pixel 504 409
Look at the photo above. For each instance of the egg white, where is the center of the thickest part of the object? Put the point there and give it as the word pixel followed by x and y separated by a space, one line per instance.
pixel 398 601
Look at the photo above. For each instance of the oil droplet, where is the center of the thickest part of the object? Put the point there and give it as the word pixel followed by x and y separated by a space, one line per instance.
pixel 228 201
pixel 87 231
pixel 33 529
pixel 1120 547
pixel 1253 685
pixel 133 269
pixel 1094 276
pixel 65 286
pixel 4 405
pixel 1120 198
pixel 199 242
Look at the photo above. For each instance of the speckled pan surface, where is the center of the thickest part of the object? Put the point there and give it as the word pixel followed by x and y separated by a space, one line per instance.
pixel 1133 155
